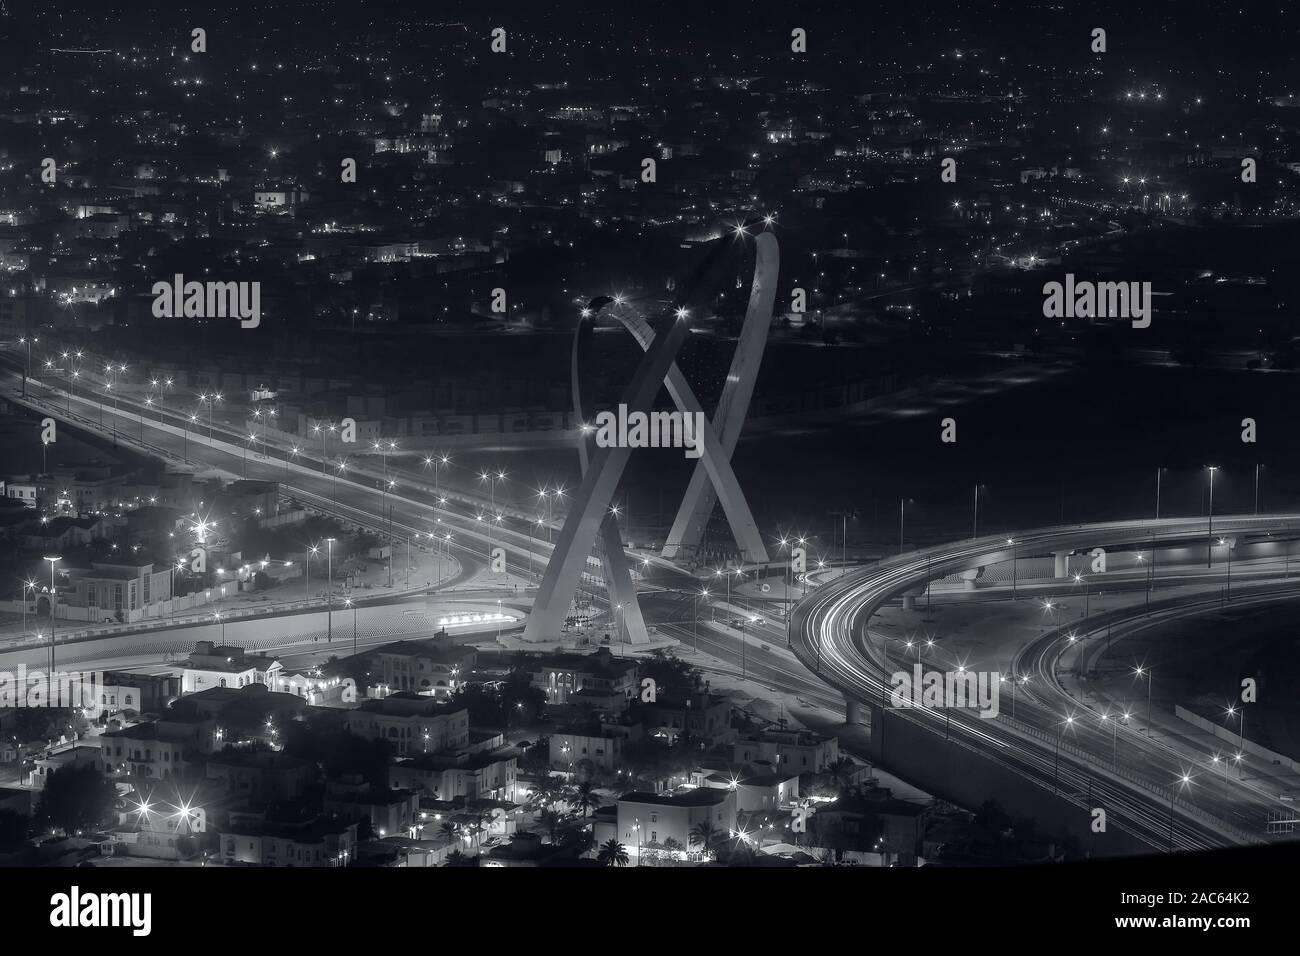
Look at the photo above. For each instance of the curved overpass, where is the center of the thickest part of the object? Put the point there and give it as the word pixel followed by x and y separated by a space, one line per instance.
pixel 831 636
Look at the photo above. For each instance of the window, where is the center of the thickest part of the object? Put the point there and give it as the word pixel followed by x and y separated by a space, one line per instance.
pixel 148 580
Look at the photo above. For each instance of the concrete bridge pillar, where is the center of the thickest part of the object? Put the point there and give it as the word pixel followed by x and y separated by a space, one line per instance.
pixel 909 599
pixel 1061 566
pixel 852 711
pixel 968 578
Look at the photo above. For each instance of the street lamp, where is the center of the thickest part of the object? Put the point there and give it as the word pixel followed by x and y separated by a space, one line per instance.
pixel 1241 736
pixel 1209 538
pixel 339 468
pixel 27 369
pixel 1146 672
pixel 1184 781
pixel 54 600
pixel 695 636
pixel 1080 579
pixel 1015 560
pixel 1114 735
pixel 329 591
pixel 211 401
pixel 347 602
pixel 1060 728
pixel 323 432
pixel 28 585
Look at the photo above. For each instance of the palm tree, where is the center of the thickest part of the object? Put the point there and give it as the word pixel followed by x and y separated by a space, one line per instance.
pixel 704 835
pixel 550 821
pixel 586 799
pixel 612 853
pixel 840 769
pixel 448 829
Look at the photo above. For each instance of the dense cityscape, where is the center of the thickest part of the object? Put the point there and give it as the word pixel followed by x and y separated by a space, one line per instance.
pixel 937 512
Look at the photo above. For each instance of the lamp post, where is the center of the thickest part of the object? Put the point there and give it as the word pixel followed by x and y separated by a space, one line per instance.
pixel 338 470
pixel 901 503
pixel 29 585
pixel 1184 782
pixel 437 461
pixel 1015 560
pixel 1159 472
pixel 347 602
pixel 1209 537
pixel 1228 544
pixel 1149 674
pixel 324 433
pixel 27 369
pixel 1241 735
pixel 216 616
pixel 388 517
pixel 1056 774
pixel 1257 467
pixel 695 634
pixel 1080 579
pixel 210 401
pixel 975 528
pixel 329 591
pixel 54 600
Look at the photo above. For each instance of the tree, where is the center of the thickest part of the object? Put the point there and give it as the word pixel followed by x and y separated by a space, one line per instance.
pixel 456 858
pixel 587 799
pixel 612 853
pixel 674 678
pixel 77 798
pixel 839 770
pixel 579 838
pixel 550 821
pixel 705 836
pixel 13 831
pixel 447 829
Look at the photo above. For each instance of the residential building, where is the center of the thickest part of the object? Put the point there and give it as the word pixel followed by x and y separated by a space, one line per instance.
pixel 220 665
pixel 793 751
pixel 433 668
pixel 655 818
pixel 600 744
pixel 411 723
pixel 560 675
pixel 157 749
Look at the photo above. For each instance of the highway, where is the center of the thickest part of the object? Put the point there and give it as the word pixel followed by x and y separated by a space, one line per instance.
pixel 359 494
pixel 829 626
pixel 1143 790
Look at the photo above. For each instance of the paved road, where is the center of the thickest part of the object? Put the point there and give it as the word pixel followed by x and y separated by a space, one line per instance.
pixel 832 637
